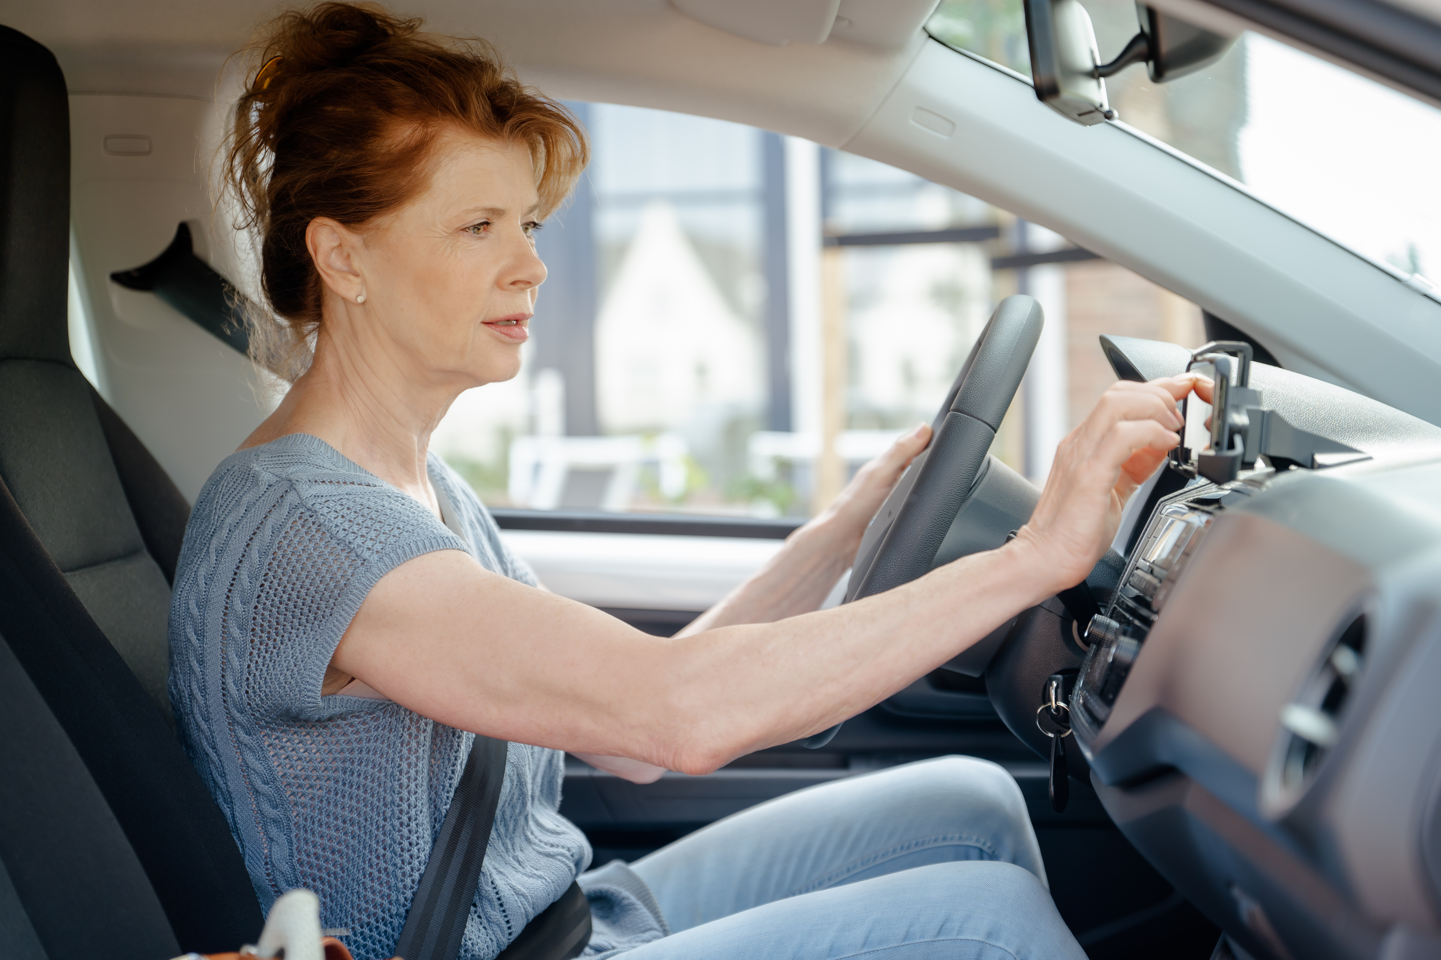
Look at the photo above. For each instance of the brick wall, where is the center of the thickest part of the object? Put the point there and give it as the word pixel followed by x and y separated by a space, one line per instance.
pixel 1104 298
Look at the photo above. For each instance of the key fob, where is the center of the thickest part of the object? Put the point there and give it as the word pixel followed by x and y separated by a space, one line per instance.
pixel 1060 778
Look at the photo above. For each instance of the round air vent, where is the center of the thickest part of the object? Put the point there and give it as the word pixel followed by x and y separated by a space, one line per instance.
pixel 1311 723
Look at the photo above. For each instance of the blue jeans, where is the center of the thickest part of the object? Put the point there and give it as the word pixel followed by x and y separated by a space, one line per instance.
pixel 932 859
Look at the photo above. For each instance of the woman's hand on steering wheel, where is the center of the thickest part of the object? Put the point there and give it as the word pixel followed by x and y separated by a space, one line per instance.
pixel 862 497
pixel 797 579
pixel 1097 468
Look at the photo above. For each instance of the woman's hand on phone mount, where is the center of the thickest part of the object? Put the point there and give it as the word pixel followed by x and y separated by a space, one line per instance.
pixel 1098 467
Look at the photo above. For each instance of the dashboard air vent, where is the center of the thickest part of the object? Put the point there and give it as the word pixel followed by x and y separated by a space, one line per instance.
pixel 1311 724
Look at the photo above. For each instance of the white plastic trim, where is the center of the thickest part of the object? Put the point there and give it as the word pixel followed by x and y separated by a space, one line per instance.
pixel 639 570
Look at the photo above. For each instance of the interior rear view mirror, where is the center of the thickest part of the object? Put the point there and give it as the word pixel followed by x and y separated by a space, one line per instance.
pixel 1066 65
pixel 1064 60
pixel 1169 48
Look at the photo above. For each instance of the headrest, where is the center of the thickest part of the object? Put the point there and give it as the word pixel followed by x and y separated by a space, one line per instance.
pixel 34 201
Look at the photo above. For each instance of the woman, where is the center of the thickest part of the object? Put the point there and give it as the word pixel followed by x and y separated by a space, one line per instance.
pixel 345 610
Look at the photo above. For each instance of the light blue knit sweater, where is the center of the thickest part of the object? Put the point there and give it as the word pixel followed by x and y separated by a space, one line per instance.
pixel 338 794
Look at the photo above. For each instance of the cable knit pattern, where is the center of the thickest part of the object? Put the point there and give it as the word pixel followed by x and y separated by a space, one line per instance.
pixel 343 795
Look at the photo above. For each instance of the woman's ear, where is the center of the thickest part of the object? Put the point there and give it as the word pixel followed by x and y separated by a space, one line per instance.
pixel 333 248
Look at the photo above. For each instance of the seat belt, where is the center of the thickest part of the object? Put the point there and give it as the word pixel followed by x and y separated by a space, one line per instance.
pixel 435 924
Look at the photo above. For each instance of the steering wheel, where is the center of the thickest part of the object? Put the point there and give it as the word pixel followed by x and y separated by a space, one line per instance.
pixel 928 507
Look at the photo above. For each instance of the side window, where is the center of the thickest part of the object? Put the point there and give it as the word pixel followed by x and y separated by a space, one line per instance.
pixel 734 321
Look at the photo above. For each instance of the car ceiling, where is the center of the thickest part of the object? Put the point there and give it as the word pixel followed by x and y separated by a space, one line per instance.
pixel 649 53
pixel 641 52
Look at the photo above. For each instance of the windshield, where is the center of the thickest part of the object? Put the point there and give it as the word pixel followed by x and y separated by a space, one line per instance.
pixel 1347 156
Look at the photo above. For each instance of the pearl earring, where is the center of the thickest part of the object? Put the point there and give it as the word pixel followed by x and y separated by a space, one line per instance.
pixel 360 298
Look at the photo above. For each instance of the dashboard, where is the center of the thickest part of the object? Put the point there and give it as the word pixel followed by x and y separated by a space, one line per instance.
pixel 1175 531
pixel 1260 701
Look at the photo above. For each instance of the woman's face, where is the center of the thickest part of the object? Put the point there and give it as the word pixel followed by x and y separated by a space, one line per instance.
pixel 450 278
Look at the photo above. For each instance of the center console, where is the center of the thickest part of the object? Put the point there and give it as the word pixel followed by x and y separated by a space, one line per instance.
pixel 1175 530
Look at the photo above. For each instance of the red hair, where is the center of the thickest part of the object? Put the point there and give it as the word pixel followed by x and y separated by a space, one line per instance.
pixel 341 121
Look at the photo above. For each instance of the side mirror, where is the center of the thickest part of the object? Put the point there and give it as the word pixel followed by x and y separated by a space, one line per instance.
pixel 1066 66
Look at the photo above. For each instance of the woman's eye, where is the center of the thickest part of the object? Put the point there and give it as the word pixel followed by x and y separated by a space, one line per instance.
pixel 479 228
pixel 531 226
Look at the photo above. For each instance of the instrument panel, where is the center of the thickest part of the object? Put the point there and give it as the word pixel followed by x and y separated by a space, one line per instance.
pixel 1253 706
pixel 1257 702
pixel 1175 530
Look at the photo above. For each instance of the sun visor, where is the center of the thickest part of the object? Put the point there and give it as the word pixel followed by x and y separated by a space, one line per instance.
pixel 773 22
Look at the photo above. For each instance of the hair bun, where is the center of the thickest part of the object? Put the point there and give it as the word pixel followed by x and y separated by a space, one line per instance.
pixel 328 35
pixel 341 32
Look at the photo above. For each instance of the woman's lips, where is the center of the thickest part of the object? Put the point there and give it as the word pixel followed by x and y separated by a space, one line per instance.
pixel 512 327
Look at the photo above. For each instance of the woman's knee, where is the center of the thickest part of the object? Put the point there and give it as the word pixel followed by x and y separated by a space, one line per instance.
pixel 975 799
pixel 969 787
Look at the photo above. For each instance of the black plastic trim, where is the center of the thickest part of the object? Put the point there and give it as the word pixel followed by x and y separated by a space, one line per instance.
pixel 951 235
pixel 660 623
pixel 662 524
pixel 1218 329
pixel 193 288
pixel 1020 261
pixel 1379 38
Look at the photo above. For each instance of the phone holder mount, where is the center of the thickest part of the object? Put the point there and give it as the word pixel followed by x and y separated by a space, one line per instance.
pixel 1243 428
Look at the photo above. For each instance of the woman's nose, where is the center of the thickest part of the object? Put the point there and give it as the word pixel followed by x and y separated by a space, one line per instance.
pixel 527 269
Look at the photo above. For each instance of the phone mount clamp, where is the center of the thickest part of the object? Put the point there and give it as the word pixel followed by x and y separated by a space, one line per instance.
pixel 1242 428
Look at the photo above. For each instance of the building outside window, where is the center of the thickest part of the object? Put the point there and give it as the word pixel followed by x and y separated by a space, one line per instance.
pixel 735 321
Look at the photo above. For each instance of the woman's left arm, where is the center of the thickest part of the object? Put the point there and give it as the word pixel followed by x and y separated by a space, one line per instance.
pixel 797 579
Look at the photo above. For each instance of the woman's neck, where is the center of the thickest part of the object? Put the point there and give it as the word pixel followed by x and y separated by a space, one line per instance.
pixel 371 411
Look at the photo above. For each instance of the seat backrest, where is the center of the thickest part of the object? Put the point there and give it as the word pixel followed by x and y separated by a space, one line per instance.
pixel 54 459
pixel 70 885
pixel 53 454
pixel 90 529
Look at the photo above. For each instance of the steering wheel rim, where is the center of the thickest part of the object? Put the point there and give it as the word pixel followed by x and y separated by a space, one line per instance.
pixel 903 538
pixel 907 531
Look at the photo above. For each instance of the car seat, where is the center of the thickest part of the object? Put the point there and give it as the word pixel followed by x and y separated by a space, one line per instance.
pixel 70 883
pixel 90 532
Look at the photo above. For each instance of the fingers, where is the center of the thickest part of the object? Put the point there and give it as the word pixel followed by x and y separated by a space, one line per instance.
pixel 1131 437
pixel 900 453
pixel 1129 402
pixel 909 444
pixel 1205 387
pixel 1142 464
pixel 1178 386
pixel 1156 400
pixel 873 482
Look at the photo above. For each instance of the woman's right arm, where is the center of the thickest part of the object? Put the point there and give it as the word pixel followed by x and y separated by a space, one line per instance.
pixel 545 670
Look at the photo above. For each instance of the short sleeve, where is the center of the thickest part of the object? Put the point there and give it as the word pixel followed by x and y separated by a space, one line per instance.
pixel 334 537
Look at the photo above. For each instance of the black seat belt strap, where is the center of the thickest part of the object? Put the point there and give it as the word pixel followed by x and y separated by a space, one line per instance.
pixel 435 924
pixel 436 921
pixel 560 932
